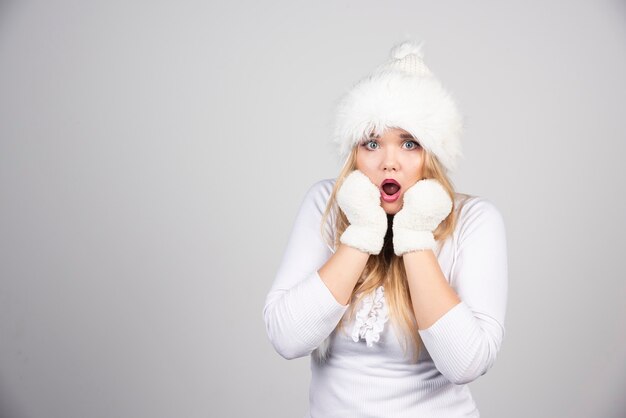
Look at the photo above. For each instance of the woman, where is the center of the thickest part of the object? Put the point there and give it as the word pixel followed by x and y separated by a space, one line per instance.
pixel 392 281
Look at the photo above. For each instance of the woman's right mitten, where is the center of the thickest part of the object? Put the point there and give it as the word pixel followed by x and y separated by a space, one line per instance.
pixel 359 199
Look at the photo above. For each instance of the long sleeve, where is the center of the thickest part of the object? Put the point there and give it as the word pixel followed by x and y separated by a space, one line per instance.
pixel 465 341
pixel 300 311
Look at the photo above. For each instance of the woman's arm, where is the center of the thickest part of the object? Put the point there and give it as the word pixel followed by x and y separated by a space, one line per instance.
pixel 462 323
pixel 300 310
pixel 342 271
pixel 431 294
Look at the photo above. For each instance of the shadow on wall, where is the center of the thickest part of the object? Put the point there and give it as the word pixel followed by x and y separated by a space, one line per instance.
pixel 618 409
pixel 620 6
pixel 6 8
pixel 8 407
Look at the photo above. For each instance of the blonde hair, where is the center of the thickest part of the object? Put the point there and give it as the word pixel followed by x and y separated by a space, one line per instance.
pixel 387 268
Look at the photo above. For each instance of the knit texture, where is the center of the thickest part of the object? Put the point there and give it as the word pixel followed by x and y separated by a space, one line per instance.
pixel 371 377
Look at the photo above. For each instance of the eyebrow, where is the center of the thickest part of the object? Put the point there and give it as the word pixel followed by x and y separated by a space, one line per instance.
pixel 403 136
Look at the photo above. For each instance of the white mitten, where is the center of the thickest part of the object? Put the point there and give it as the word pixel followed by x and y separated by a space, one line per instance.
pixel 425 205
pixel 359 199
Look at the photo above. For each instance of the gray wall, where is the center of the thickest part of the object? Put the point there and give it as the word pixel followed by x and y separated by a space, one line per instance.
pixel 153 156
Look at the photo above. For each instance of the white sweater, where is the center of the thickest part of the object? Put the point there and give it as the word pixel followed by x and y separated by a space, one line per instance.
pixel 378 381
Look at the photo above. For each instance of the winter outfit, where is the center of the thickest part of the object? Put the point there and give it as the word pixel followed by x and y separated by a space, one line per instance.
pixel 364 373
pixel 370 377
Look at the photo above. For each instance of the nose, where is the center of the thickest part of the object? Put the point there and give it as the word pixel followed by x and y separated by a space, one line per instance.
pixel 390 162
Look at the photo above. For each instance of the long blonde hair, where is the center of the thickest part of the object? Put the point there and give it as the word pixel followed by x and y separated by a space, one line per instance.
pixel 386 268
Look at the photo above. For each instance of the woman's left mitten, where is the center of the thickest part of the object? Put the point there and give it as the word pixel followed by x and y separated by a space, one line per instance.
pixel 425 205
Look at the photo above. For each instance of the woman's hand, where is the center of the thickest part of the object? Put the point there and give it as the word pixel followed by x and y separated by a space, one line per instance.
pixel 425 205
pixel 359 199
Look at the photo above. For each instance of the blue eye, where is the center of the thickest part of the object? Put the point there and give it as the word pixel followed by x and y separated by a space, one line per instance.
pixel 415 144
pixel 366 143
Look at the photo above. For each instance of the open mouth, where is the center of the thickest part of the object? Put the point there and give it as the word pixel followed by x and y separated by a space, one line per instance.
pixel 390 190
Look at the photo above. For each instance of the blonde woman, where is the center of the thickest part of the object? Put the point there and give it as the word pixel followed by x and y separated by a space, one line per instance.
pixel 395 284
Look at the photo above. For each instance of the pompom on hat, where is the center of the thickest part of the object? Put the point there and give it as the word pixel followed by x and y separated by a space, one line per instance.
pixel 402 93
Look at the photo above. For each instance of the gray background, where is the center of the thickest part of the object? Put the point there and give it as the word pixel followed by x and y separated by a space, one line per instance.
pixel 153 156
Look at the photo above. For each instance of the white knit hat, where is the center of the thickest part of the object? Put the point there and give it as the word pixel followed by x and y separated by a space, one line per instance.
pixel 402 93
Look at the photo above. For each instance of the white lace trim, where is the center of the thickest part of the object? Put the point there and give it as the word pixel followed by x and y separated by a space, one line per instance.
pixel 371 317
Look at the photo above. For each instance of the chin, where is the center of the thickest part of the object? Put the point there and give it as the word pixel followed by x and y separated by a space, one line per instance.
pixel 392 208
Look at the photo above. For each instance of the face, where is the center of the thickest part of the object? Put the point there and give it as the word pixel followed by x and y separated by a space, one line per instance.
pixel 395 155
